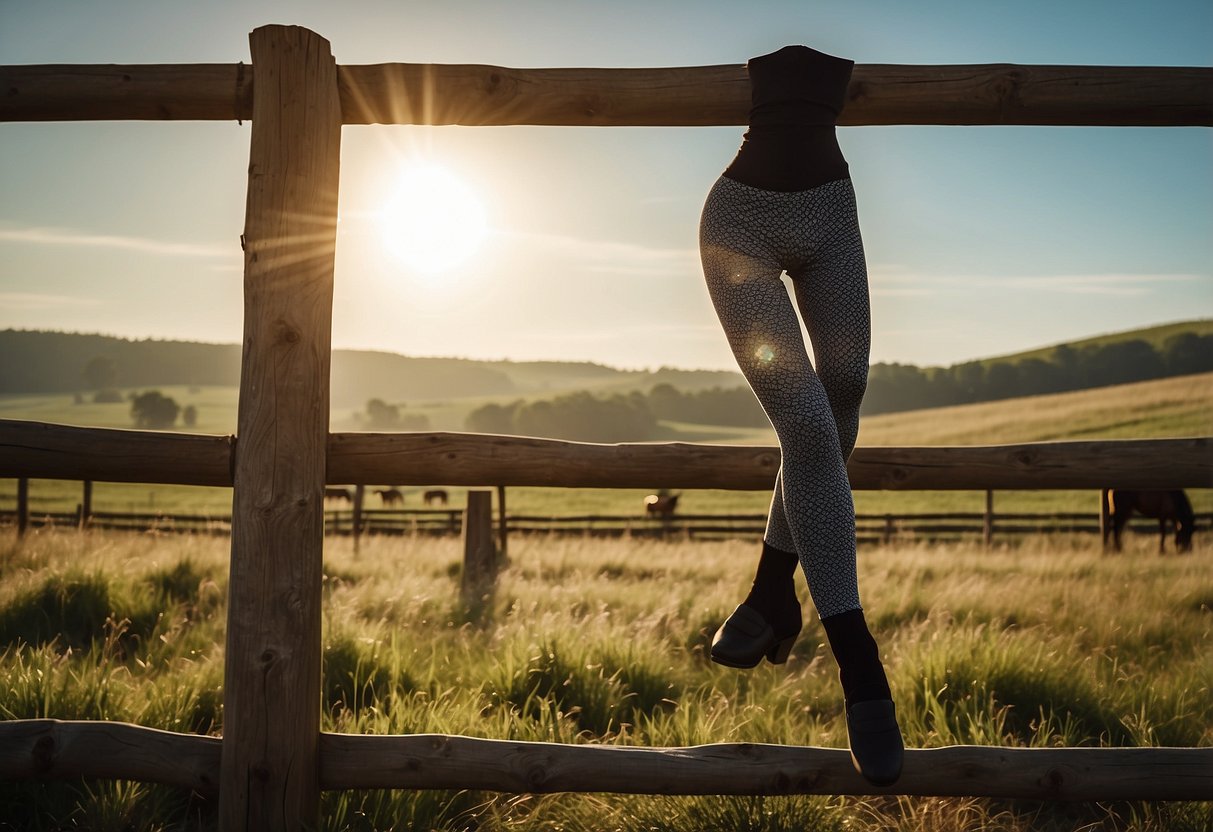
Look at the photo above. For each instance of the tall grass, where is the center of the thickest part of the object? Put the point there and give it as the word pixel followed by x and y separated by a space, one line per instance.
pixel 1046 643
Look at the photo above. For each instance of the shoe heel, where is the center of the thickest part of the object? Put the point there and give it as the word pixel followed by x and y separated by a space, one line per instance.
pixel 780 652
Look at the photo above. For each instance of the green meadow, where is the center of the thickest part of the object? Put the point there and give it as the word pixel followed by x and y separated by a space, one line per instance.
pixel 1045 643
pixel 1037 642
pixel 1172 407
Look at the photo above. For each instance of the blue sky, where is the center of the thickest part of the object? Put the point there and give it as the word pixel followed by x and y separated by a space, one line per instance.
pixel 980 240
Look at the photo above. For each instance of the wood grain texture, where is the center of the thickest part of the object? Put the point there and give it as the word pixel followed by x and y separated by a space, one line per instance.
pixel 126 92
pixel 479 551
pixel 34 449
pixel 453 762
pixel 271 710
pixel 474 94
pixel 67 452
pixel 478 459
pixel 47 749
pixel 52 749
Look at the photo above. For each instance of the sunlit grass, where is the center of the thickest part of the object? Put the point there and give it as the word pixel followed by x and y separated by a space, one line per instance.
pixel 1046 643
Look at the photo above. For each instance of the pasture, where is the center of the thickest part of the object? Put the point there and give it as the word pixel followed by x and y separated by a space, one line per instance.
pixel 1049 643
pixel 1171 407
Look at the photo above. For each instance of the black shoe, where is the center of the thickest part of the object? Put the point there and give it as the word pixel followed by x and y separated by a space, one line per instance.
pixel 876 746
pixel 745 637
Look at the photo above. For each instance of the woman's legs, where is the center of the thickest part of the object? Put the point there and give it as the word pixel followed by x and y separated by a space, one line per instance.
pixel 746 237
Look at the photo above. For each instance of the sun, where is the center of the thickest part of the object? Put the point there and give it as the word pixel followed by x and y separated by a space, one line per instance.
pixel 433 221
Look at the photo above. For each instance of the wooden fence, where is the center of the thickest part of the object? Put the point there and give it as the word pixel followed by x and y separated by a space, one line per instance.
pixel 870 528
pixel 273 761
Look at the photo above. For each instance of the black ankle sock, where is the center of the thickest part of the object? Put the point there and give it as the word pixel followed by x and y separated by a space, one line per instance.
pixel 859 668
pixel 773 593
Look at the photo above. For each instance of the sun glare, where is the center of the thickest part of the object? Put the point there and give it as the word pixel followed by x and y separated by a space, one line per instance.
pixel 433 221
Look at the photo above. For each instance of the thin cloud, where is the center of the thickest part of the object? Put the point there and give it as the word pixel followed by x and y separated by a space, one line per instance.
pixel 26 301
pixel 144 245
pixel 610 256
pixel 897 281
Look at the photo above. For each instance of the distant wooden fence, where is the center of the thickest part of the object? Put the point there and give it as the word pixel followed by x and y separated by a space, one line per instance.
pixel 273 760
pixel 870 528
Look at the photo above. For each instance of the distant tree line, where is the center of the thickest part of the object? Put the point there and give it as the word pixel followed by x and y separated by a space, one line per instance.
pixel 897 387
pixel 734 406
pixel 891 387
pixel 577 416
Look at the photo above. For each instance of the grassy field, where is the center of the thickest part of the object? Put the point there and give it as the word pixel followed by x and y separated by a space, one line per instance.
pixel 1044 644
pixel 1165 408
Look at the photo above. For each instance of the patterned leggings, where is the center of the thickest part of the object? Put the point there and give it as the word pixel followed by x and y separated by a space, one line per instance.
pixel 747 237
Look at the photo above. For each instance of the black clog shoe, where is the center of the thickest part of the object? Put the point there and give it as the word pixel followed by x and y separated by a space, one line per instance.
pixel 876 745
pixel 745 638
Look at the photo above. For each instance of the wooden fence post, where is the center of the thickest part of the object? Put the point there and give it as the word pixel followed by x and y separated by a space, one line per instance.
pixel 271 709
pixel 479 555
pixel 22 505
pixel 359 496
pixel 1105 518
pixel 502 528
pixel 86 504
pixel 987 524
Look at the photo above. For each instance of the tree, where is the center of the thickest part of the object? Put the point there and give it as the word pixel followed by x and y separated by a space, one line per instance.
pixel 382 416
pixel 1188 353
pixel 100 373
pixel 492 418
pixel 153 410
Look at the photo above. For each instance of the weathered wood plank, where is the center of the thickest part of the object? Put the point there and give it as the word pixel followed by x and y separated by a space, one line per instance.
pixel 66 452
pixel 478 459
pixel 34 449
pixel 112 92
pixel 47 749
pixel 271 709
pixel 52 749
pixel 453 762
pixel 402 93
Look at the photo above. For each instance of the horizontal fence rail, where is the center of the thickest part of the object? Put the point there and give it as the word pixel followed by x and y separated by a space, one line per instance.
pixel 49 451
pixel 480 95
pixel 871 528
pixel 53 749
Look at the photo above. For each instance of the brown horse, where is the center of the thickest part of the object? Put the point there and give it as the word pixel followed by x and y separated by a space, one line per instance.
pixel 1170 507
pixel 663 505
pixel 390 496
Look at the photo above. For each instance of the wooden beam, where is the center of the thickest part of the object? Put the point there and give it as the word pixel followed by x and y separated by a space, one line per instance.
pixel 271 709
pixel 400 93
pixel 67 452
pixel 479 459
pixel 52 749
pixel 47 749
pixel 34 449
pixel 125 92
pixel 453 762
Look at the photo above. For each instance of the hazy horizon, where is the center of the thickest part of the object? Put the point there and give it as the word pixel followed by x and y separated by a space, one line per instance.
pixel 981 241
pixel 653 368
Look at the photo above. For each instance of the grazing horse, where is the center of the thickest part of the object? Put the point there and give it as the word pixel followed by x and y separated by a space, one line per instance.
pixel 339 494
pixel 434 495
pixel 1170 507
pixel 662 505
pixel 390 496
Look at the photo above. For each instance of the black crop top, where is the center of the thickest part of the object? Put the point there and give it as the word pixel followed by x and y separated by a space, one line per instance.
pixel 796 95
